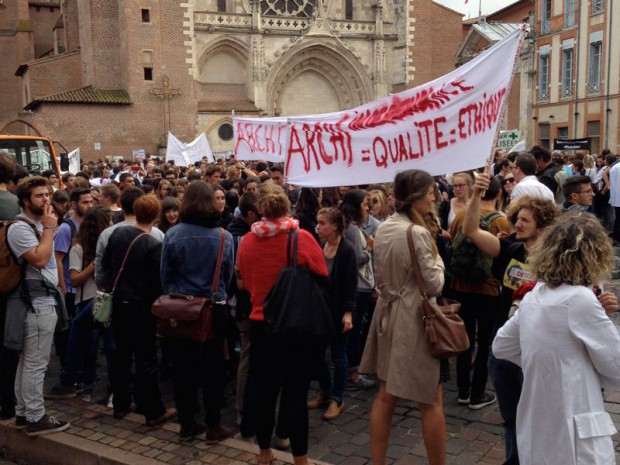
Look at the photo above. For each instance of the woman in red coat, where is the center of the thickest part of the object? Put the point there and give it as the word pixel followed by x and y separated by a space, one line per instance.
pixel 276 364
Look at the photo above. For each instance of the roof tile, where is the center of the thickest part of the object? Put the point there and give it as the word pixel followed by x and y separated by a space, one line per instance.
pixel 88 95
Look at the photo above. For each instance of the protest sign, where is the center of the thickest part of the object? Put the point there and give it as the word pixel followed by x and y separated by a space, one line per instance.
pixel 188 154
pixel 447 125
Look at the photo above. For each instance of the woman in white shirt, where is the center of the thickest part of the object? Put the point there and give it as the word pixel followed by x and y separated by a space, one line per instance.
pixel 567 347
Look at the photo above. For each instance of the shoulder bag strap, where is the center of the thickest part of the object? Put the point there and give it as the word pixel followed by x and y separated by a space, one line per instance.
pixel 295 241
pixel 218 265
pixel 125 259
pixel 417 274
pixel 289 242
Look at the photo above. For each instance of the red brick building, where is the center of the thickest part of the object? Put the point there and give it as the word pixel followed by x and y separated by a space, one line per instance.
pixel 481 33
pixel 577 73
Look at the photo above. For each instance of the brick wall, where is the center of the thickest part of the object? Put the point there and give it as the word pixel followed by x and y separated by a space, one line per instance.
pixel 100 43
pixel 514 104
pixel 54 75
pixel 514 13
pixel 120 129
pixel 16 47
pixel 43 20
pixel 436 38
pixel 71 29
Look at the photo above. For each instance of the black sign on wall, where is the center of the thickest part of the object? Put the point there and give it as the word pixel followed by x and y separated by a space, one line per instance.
pixel 571 144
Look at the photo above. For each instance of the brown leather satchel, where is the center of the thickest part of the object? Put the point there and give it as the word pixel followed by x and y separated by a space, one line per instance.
pixel 185 316
pixel 443 328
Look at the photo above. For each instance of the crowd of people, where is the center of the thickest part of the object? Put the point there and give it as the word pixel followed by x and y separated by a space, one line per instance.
pixel 524 246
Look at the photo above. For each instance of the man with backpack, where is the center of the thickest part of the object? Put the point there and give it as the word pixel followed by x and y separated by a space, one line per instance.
pixel 81 200
pixel 474 285
pixel 36 305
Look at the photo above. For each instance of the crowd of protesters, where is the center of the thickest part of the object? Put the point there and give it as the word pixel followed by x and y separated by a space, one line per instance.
pixel 148 228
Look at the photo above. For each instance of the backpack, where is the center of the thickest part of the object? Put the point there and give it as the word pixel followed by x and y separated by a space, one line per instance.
pixel 467 262
pixel 11 271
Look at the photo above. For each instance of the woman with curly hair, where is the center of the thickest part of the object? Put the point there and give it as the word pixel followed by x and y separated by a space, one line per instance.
pixel 82 345
pixel 397 350
pixel 567 347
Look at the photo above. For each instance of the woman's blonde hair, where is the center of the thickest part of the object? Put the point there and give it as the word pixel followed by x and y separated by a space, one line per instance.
pixel 574 250
pixel 273 202
pixel 588 161
pixel 380 196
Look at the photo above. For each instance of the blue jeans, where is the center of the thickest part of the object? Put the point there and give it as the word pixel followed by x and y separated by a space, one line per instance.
pixel 508 380
pixel 83 345
pixel 335 390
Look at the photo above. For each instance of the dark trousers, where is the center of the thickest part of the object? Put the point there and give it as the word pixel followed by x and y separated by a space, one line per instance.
pixel 134 332
pixel 354 347
pixel 8 368
pixel 616 233
pixel 83 347
pixel 507 379
pixel 198 364
pixel 338 350
pixel 478 312
pixel 250 401
pixel 61 338
pixel 281 364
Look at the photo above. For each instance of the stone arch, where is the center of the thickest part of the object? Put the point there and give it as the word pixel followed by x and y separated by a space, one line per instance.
pixel 231 48
pixel 339 67
pixel 214 125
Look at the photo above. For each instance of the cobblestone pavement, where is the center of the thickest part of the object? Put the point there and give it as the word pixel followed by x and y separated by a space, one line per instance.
pixel 474 437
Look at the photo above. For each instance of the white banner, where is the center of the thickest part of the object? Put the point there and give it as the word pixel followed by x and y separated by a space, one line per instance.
pixel 446 125
pixel 188 154
pixel 260 138
pixel 74 161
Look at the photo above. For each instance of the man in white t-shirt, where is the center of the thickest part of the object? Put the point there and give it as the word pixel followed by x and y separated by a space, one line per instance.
pixel 524 171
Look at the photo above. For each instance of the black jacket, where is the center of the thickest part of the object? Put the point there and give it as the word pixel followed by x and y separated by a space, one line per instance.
pixel 547 177
pixel 238 227
pixel 343 282
pixel 140 280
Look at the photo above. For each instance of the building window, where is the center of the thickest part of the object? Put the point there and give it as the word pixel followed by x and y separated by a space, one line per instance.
pixel 545 17
pixel 569 13
pixel 225 131
pixel 148 73
pixel 543 77
pixel 543 130
pixel 594 134
pixel 348 9
pixel 221 5
pixel 594 72
pixel 598 6
pixel 567 71
pixel 146 15
pixel 563 133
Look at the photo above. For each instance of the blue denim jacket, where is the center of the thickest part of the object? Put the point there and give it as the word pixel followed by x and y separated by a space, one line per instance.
pixel 188 261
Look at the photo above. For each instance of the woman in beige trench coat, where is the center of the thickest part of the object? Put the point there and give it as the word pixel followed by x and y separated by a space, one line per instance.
pixel 396 349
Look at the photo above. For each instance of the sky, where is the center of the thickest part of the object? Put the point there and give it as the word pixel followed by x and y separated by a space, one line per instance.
pixel 471 8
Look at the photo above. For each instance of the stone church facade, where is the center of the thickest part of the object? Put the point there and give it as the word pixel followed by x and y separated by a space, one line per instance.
pixel 120 73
